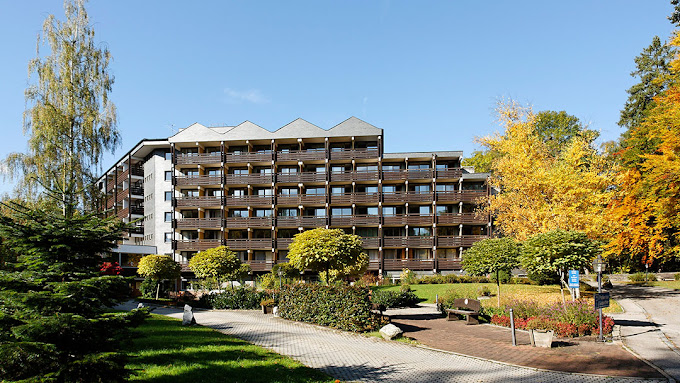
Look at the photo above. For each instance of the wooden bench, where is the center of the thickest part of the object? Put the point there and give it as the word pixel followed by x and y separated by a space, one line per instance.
pixel 468 307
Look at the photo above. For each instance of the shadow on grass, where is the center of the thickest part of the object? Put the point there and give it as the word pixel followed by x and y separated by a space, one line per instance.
pixel 162 350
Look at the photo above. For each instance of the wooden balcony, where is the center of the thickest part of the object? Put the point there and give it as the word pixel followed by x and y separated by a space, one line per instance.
pixel 449 173
pixel 312 199
pixel 461 218
pixel 198 223
pixel 364 219
pixel 249 200
pixel 137 191
pixel 257 265
pixel 394 220
pixel 283 221
pixel 198 180
pixel 448 264
pixel 196 244
pixel 109 202
pixel 370 242
pixel 122 176
pixel 348 154
pixel 418 197
pixel 123 213
pixel 458 241
pixel 348 198
pixel 374 264
pixel 122 194
pixel 248 179
pixel 417 241
pixel 245 222
pixel 411 264
pixel 202 201
pixel 419 220
pixel 460 196
pixel 349 175
pixel 301 155
pixel 341 220
pixel 312 221
pixel 250 244
pixel 300 177
pixel 394 197
pixel 232 158
pixel 287 199
pixel 394 242
pixel 137 210
pixel 419 174
pixel 137 170
pixel 282 243
pixel 198 159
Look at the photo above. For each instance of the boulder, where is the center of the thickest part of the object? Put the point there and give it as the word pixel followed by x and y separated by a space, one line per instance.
pixel 390 331
pixel 140 305
pixel 188 317
pixel 275 311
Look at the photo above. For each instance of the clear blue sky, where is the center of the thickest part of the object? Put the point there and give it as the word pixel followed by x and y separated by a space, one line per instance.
pixel 427 72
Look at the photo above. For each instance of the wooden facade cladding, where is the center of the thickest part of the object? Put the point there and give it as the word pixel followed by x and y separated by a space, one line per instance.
pixel 202 201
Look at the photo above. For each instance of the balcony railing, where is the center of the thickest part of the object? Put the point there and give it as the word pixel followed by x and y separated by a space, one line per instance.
pixel 419 174
pixel 245 179
pixel 199 159
pixel 418 241
pixel 418 197
pixel 122 213
pixel 460 195
pixel 248 244
pixel 258 265
pixel 288 199
pixel 202 201
pixel 250 222
pixel 137 210
pixel 198 223
pixel 347 198
pixel 249 157
pixel 394 220
pixel 411 264
pixel 137 190
pixel 348 154
pixel 374 264
pixel 459 240
pixel 310 199
pixel 198 180
pixel 282 243
pixel 461 218
pixel 353 220
pixel 312 221
pixel 250 200
pixel 196 244
pixel 394 242
pixel 449 173
pixel 370 242
pixel 301 155
pixel 413 219
pixel 300 177
pixel 350 175
pixel 122 176
pixel 288 221
pixel 448 264
pixel 394 197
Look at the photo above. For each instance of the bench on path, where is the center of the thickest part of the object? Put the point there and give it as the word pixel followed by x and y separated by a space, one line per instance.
pixel 464 306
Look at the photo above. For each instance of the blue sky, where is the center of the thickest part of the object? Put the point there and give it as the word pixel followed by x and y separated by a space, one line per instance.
pixel 428 72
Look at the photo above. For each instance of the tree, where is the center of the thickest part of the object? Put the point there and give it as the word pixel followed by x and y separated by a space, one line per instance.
pixel 492 256
pixel 558 251
pixel 330 252
pixel 54 322
pixel 481 160
pixel 216 263
pixel 539 190
pixel 158 267
pixel 645 209
pixel 70 119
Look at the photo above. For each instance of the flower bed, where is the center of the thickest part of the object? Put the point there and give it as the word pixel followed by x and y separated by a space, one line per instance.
pixel 577 318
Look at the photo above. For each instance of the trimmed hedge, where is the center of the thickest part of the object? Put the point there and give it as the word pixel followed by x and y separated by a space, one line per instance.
pixel 343 307
pixel 388 298
pixel 240 298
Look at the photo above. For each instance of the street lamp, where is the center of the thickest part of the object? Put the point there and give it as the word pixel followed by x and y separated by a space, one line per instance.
pixel 599 266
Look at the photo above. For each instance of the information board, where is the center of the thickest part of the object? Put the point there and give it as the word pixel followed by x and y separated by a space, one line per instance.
pixel 601 300
pixel 573 279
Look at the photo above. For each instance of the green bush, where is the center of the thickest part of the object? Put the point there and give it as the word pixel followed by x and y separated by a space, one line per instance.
pixel 484 291
pixel 239 298
pixel 642 277
pixel 505 276
pixel 544 278
pixel 408 277
pixel 340 306
pixel 676 276
pixel 403 298
pixel 439 279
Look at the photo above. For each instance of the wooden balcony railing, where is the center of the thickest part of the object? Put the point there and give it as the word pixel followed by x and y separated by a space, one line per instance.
pixel 448 264
pixel 461 218
pixel 412 219
pixel 287 199
pixel 246 179
pixel 198 159
pixel 249 157
pixel 312 221
pixel 374 264
pixel 198 223
pixel 203 201
pixel 122 213
pixel 418 197
pixel 394 220
pixel 248 244
pixel 419 174
pixel 282 243
pixel 301 155
pixel 250 222
pixel 310 199
pixel 198 180
pixel 300 177
pixel 457 241
pixel 283 221
pixel 348 154
pixel 365 219
pixel 196 244
pixel 122 176
pixel 137 170
pixel 417 241
pixel 350 175
pixel 258 265
pixel 411 264
pixel 460 195
pixel 450 173
pixel 394 242
pixel 249 200
pixel 394 197
pixel 371 242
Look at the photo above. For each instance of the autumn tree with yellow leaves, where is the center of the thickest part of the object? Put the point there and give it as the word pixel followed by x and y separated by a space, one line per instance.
pixel 541 188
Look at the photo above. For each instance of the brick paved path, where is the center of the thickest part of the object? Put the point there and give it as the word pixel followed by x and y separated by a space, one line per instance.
pixel 352 357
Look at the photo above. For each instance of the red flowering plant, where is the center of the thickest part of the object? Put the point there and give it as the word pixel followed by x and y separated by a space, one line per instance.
pixel 110 268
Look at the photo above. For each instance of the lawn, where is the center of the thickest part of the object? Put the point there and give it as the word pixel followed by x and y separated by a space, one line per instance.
pixel 509 292
pixel 162 350
pixel 674 285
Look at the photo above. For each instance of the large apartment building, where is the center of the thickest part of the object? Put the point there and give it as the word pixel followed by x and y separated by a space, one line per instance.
pixel 252 190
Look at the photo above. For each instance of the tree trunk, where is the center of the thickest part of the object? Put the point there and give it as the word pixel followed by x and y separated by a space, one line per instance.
pixel 158 288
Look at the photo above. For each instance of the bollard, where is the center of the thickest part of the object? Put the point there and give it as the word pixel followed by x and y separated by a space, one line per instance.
pixel 512 327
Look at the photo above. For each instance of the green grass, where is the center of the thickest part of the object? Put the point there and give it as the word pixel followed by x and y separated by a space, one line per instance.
pixel 401 339
pixel 675 285
pixel 509 292
pixel 162 350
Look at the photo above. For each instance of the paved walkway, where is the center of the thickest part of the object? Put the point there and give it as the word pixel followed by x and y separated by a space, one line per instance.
pixel 650 325
pixel 352 357
pixel 582 354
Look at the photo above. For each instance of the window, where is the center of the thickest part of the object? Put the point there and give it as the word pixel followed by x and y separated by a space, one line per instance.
pixel 189 152
pixel 393 167
pixel 366 145
pixel 367 168
pixel 283 255
pixel 389 211
pixel 421 189
pixel 338 169
pixel 168 196
pixel 373 255
pixel 286 233
pixel 420 231
pixel 191 193
pixel 259 255
pixel 368 189
pixel 238 149
pixel 191 173
pixel 474 186
pixel 263 149
pixel 389 188
pixel 213 213
pixel 394 231
pixel 421 253
pixel 445 209
pixel 239 172
pixel 418 166
pixel 420 210
pixel 263 170
pixel 168 175
pixel 214 192
pixel 315 191
pixel 213 150
pixel 447 253
pixel 289 170
pixel 287 148
pixel 315 212
pixel 371 210
pixel 264 192
pixel 446 187
pixel 238 213
pixel 289 191
pixel 237 193
pixel 340 146
pixel 214 172
pixel 168 156
pixel 447 231
pixel 168 237
pixel 367 231
pixel 168 216
pixel 338 190
pixel 237 234
pixel 264 213
pixel 290 212
pixel 341 211
pixel 262 234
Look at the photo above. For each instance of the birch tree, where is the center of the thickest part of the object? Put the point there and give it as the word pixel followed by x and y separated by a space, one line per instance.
pixel 70 120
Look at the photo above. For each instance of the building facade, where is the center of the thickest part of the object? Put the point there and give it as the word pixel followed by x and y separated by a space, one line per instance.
pixel 252 190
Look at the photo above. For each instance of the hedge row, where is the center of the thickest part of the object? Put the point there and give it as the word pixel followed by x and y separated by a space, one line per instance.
pixel 343 307
pixel 388 298
pixel 239 298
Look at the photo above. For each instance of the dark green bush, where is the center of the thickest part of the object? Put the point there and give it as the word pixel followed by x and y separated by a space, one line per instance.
pixel 505 276
pixel 439 279
pixel 340 306
pixel 239 298
pixel 642 277
pixel 676 276
pixel 403 298
pixel 544 278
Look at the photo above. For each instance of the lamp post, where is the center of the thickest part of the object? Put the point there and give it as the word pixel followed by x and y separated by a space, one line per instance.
pixel 599 265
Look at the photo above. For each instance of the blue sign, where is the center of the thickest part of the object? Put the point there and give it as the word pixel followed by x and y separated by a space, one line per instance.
pixel 573 279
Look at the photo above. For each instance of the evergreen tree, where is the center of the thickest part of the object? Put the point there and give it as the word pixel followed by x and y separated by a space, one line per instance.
pixel 53 321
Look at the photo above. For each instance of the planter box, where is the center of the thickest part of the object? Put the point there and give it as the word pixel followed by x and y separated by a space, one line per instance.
pixel 541 338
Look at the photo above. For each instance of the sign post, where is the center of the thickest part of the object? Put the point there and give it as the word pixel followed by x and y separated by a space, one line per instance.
pixel 600 298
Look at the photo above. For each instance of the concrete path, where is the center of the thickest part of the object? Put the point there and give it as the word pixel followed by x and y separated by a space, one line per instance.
pixel 650 325
pixel 352 357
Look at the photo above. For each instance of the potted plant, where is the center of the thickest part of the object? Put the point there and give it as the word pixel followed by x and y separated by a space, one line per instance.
pixel 267 306
pixel 540 332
